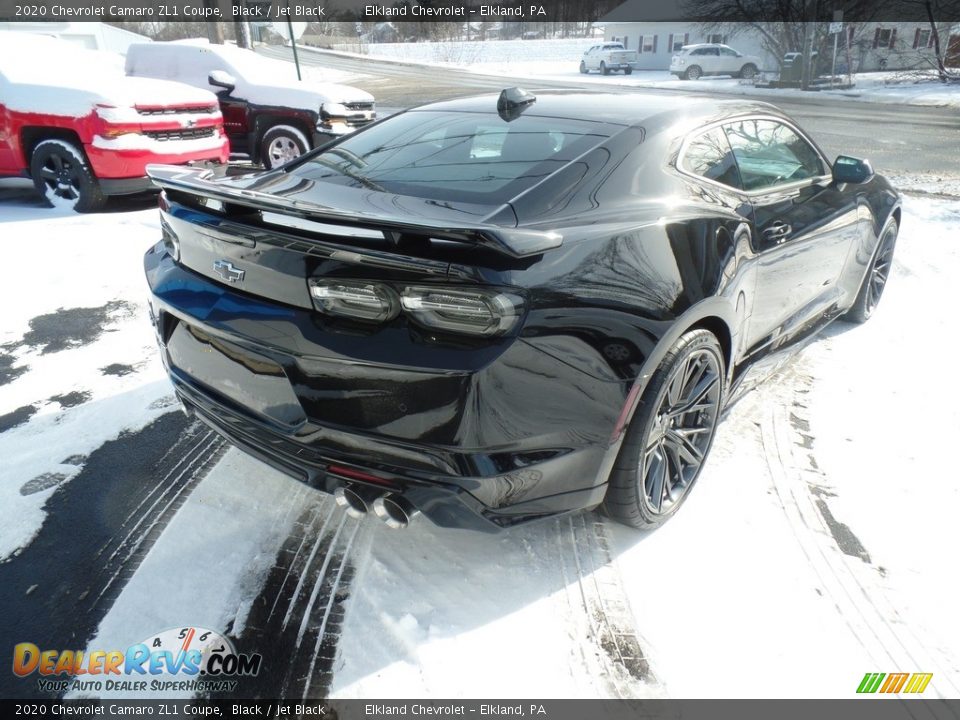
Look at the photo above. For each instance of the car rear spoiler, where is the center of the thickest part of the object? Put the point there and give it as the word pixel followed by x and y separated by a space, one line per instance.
pixel 202 182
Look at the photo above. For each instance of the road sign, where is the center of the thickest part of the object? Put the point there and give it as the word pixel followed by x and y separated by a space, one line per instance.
pixel 836 27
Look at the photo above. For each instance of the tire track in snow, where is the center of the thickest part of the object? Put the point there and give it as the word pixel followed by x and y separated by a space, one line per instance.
pixel 798 483
pixel 609 645
pixel 296 619
pixel 98 528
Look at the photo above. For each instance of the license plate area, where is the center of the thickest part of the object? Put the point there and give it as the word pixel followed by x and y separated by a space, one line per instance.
pixel 254 382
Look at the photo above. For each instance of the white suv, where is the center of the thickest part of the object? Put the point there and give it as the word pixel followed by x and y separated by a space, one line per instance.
pixel 694 61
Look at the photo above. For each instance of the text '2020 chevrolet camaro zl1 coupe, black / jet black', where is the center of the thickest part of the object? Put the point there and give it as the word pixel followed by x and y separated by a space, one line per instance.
pixel 496 309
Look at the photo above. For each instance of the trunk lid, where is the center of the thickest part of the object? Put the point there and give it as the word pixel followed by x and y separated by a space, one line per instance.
pixel 267 234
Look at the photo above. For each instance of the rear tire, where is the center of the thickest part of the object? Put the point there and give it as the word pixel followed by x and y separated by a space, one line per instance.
pixel 693 73
pixel 669 438
pixel 583 68
pixel 628 71
pixel 748 71
pixel 62 175
pixel 875 279
pixel 282 144
pixel 604 70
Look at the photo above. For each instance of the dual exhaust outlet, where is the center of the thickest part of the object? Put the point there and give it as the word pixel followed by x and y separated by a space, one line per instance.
pixel 395 510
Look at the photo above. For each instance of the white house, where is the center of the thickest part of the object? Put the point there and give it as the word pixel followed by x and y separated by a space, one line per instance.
pixel 873 46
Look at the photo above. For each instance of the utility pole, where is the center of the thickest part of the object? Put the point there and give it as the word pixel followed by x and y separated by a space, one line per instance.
pixel 809 30
pixel 293 42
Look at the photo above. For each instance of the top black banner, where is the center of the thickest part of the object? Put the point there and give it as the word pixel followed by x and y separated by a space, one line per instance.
pixel 598 11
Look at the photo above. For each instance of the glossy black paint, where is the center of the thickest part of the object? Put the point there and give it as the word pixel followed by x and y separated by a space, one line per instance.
pixel 484 433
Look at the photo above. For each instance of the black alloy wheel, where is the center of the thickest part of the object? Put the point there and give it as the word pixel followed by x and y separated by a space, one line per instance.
pixel 60 173
pixel 875 280
pixel 670 435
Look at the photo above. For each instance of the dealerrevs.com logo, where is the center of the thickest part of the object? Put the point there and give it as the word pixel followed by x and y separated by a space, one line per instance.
pixel 189 659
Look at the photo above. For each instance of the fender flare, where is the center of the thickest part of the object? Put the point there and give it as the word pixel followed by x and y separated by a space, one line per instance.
pixel 703 314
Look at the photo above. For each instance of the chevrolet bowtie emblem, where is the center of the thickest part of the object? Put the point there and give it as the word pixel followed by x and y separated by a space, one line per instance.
pixel 228 272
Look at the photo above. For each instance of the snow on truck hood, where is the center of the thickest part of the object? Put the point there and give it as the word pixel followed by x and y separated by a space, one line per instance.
pixel 305 95
pixel 67 80
pixel 148 91
pixel 76 97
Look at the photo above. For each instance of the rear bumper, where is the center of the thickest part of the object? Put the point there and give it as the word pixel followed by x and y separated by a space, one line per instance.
pixel 442 499
pixel 478 447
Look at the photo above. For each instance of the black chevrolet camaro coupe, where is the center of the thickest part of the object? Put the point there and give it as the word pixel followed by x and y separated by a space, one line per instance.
pixel 502 308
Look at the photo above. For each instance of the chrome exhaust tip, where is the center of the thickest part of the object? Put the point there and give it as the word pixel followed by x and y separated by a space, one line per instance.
pixel 394 510
pixel 351 501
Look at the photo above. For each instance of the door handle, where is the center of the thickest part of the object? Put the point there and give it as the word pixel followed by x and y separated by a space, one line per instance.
pixel 778 231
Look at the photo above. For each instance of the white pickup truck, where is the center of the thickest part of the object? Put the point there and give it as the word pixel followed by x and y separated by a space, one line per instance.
pixel 607 58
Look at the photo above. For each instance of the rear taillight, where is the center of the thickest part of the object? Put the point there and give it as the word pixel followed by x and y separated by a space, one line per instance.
pixel 360 300
pixel 472 312
pixel 480 311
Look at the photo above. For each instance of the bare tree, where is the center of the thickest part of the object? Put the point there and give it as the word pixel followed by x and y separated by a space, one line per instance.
pixel 781 24
pixel 934 11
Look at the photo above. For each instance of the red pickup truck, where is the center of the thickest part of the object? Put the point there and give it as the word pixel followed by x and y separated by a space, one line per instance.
pixel 82 130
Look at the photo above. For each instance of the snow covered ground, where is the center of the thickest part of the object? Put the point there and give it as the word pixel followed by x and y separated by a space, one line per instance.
pixel 819 544
pixel 559 60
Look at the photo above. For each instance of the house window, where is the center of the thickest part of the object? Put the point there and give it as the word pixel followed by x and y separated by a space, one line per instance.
pixel 648 44
pixel 717 39
pixel 678 40
pixel 884 38
pixel 922 38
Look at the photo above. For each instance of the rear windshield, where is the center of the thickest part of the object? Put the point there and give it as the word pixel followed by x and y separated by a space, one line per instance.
pixel 471 157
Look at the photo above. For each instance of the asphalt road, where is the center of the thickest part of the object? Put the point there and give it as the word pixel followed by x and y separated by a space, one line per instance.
pixel 898 139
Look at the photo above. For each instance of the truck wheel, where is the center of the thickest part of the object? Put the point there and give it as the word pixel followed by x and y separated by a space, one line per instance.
pixel 282 144
pixel 60 173
pixel 583 68
pixel 603 68
pixel 628 71
pixel 693 73
pixel 748 71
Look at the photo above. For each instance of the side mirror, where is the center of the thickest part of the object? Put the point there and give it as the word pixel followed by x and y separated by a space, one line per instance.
pixel 851 170
pixel 220 78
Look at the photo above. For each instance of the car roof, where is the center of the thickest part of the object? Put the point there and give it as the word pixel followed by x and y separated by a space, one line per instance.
pixel 628 108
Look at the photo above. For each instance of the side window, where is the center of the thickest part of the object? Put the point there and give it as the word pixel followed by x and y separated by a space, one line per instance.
pixel 699 51
pixel 769 153
pixel 709 155
pixel 728 52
